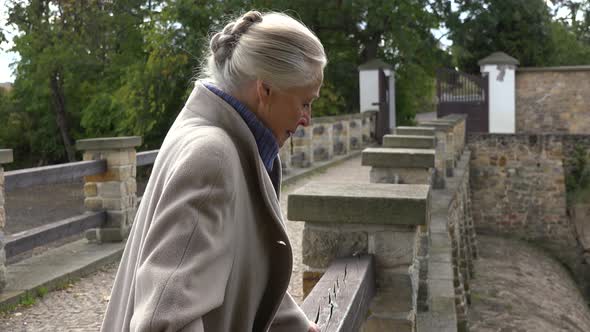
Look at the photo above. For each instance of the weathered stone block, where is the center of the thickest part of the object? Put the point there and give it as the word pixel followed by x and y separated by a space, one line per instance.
pixel 321 246
pixel 398 158
pixel 392 249
pixel 115 203
pixel 409 141
pixel 90 189
pixel 93 203
pixel 418 131
pixel 116 219
pixel 401 175
pixel 114 173
pixel 362 203
pixel 112 189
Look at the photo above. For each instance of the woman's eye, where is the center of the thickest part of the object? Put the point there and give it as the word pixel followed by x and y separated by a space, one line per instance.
pixel 306 105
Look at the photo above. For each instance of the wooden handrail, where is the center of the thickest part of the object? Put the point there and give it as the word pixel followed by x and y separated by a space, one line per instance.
pixel 39 236
pixel 339 302
pixel 28 177
pixel 146 157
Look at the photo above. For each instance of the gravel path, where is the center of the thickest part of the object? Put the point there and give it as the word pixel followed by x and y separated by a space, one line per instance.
pixel 80 307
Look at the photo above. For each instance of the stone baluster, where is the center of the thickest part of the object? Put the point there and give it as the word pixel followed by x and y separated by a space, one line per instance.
pixel 302 155
pixel 396 165
pixel 322 142
pixel 115 190
pixel 6 157
pixel 355 131
pixel 340 138
pixel 384 220
pixel 366 128
pixel 285 155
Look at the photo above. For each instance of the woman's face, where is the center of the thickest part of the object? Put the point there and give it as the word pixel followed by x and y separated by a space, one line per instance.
pixel 283 111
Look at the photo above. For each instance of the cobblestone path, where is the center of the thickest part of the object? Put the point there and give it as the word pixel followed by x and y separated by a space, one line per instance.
pixel 80 307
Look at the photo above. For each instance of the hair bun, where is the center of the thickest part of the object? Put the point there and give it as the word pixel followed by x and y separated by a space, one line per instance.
pixel 222 44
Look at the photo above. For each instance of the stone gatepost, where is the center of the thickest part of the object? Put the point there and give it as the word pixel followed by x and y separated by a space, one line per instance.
pixel 355 131
pixel 340 136
pixel 302 154
pixel 385 220
pixel 408 166
pixel 6 157
pixel 115 190
pixel 322 142
pixel 285 155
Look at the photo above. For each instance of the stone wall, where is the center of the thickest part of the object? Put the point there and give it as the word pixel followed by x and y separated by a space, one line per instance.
pixel 553 100
pixel 518 190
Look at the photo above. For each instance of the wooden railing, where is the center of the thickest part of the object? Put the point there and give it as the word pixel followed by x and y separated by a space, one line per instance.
pixel 21 242
pixel 53 174
pixel 340 301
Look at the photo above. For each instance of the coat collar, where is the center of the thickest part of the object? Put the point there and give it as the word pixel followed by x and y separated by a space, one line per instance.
pixel 210 107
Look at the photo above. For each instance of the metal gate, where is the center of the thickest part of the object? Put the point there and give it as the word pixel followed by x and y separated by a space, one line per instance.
pixel 461 93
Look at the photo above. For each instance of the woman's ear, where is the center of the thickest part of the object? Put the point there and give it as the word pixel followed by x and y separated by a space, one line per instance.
pixel 263 90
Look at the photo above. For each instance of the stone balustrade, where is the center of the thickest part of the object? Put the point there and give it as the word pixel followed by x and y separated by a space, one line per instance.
pixel 328 137
pixel 115 190
pixel 397 165
pixel 6 157
pixel 385 220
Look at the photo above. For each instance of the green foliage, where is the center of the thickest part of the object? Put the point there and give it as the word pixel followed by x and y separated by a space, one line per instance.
pixel 520 28
pixel 329 103
pixel 578 179
pixel 96 68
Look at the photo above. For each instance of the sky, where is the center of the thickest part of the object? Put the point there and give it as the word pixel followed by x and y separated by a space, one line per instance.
pixel 6 57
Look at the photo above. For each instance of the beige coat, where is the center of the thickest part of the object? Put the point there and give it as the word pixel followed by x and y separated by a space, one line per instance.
pixel 208 249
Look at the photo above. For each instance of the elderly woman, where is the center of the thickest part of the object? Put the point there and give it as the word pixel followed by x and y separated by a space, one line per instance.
pixel 208 250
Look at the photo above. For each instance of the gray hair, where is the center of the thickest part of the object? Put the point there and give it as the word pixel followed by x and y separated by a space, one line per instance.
pixel 272 47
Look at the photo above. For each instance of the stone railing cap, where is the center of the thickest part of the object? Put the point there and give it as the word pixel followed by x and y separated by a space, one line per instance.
pixel 444 125
pixel 362 203
pixel 108 143
pixel 408 141
pixel 6 156
pixel 398 158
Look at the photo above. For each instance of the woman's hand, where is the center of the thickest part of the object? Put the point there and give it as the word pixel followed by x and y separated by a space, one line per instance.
pixel 314 328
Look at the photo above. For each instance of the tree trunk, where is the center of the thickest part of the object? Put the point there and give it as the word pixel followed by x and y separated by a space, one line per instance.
pixel 59 103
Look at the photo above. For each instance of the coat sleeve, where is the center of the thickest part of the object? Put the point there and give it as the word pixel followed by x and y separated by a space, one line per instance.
pixel 289 317
pixel 186 258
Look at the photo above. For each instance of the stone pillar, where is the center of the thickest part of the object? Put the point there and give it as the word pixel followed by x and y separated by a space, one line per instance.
pixel 355 130
pixel 6 157
pixel 115 190
pixel 302 155
pixel 445 143
pixel 385 220
pixel 322 142
pixel 460 121
pixel 409 166
pixel 500 69
pixel 340 137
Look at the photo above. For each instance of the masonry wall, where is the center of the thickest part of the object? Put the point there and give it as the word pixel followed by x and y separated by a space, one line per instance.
pixel 518 190
pixel 553 99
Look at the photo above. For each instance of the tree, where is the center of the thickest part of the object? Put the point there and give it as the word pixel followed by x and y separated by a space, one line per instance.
pixel 521 28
